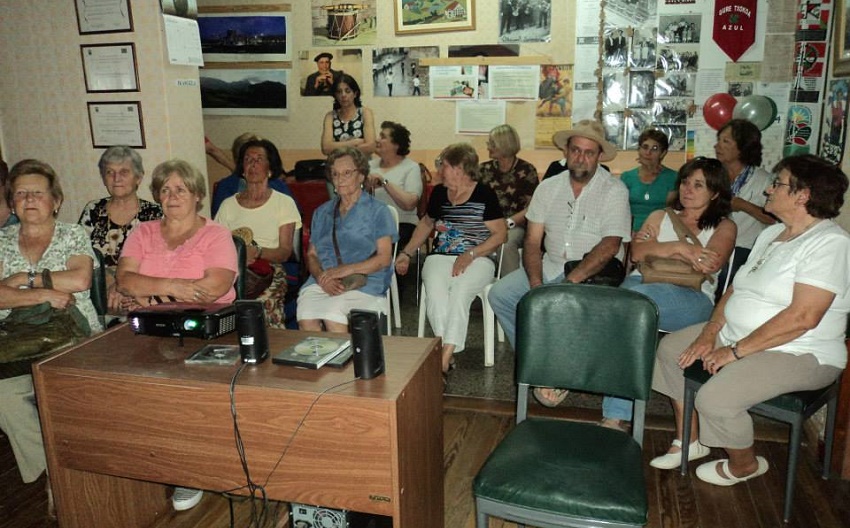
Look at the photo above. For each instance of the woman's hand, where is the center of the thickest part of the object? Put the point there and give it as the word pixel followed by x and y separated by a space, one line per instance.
pixel 330 282
pixel 402 263
pixel 647 232
pixel 717 358
pixel 57 299
pixel 699 349
pixel 706 261
pixel 189 290
pixel 252 253
pixel 461 263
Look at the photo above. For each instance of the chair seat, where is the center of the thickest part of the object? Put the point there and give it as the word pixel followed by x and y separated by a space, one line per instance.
pixel 794 402
pixel 568 469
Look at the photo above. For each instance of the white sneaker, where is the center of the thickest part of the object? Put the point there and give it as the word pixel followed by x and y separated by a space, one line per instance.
pixel 674 460
pixel 186 498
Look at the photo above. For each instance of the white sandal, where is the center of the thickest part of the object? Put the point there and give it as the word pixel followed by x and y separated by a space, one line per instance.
pixel 674 460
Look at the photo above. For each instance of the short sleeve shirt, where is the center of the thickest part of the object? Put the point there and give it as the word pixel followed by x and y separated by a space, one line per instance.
pixel 265 221
pixel 406 175
pixel 514 188
pixel 753 192
pixel 461 227
pixel 108 237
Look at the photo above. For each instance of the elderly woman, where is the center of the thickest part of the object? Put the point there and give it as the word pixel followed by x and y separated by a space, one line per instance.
pixel 350 250
pixel 109 220
pixel 236 182
pixel 395 179
pixel 779 328
pixel 349 124
pixel 42 260
pixel 651 185
pixel 514 181
pixel 739 149
pixel 470 227
pixel 272 218
pixel 703 206
pixel 182 257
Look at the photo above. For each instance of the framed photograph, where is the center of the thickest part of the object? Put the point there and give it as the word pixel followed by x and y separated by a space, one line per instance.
pixel 429 16
pixel 344 24
pixel 244 34
pixel 103 16
pixel 110 67
pixel 244 89
pixel 116 123
pixel 841 54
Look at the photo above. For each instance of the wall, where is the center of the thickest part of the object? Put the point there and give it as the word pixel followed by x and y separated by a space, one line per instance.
pixel 43 112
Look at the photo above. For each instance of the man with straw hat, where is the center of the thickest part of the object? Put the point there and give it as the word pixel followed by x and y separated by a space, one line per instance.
pixel 583 213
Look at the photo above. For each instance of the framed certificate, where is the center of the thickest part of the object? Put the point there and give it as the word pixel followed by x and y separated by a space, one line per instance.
pixel 110 67
pixel 116 123
pixel 103 16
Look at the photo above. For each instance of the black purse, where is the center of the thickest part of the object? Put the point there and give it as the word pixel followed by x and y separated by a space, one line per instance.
pixel 612 274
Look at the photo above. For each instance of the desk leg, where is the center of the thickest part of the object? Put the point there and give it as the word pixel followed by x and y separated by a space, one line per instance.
pixel 84 500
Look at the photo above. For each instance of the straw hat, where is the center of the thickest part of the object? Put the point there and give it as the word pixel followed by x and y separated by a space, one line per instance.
pixel 589 129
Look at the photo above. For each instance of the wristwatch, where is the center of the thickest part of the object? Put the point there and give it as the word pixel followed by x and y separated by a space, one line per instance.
pixel 510 222
pixel 386 182
pixel 31 279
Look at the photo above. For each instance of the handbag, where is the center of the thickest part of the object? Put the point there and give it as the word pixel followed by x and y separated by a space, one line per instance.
pixel 671 270
pixel 259 274
pixel 355 281
pixel 30 332
pixel 611 275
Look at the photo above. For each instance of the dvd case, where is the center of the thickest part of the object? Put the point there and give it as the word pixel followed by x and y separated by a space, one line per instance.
pixel 214 355
pixel 312 352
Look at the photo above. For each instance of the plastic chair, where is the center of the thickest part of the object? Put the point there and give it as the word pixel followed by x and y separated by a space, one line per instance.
pixel 489 317
pixel 553 473
pixel 392 308
pixel 793 408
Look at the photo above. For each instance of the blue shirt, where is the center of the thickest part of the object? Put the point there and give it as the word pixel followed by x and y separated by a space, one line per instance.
pixel 357 235
pixel 234 183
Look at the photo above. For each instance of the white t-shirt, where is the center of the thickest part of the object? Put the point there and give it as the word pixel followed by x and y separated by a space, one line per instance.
pixel 819 258
pixel 406 175
pixel 753 192
pixel 264 221
pixel 575 226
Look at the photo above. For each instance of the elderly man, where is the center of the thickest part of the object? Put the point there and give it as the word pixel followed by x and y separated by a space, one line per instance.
pixel 584 214
pixel 322 81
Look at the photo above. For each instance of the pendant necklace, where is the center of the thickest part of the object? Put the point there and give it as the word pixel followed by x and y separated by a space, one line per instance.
pixel 768 252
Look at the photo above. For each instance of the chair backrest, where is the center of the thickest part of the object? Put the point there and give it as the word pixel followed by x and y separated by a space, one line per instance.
pixel 98 290
pixel 241 259
pixel 724 278
pixel 587 337
pixel 394 212
pixel 425 175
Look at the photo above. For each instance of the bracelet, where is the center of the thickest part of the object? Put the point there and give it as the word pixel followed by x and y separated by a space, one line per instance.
pixel 46 279
pixel 472 253
pixel 406 254
pixel 734 348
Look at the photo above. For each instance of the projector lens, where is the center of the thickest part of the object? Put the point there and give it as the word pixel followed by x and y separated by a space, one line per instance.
pixel 190 324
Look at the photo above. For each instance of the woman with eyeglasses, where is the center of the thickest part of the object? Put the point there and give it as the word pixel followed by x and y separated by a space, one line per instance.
pixel 514 181
pixel 651 185
pixel 470 227
pixel 739 149
pixel 350 250
pixel 702 205
pixel 779 328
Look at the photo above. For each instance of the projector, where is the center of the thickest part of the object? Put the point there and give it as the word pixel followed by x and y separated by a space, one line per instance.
pixel 204 321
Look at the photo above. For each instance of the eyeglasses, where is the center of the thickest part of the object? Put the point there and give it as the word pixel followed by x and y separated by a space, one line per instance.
pixel 646 147
pixel 258 159
pixel 776 183
pixel 22 195
pixel 344 175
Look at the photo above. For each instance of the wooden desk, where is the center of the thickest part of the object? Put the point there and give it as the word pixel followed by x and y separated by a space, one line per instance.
pixel 122 416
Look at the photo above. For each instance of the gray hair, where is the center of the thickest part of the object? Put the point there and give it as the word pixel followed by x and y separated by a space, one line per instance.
pixel 119 154
pixel 191 176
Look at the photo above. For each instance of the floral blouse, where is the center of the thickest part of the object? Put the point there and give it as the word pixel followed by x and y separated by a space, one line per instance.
pixel 107 236
pixel 345 130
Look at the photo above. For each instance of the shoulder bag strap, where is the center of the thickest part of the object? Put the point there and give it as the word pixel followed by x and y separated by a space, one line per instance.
pixel 681 229
pixel 333 234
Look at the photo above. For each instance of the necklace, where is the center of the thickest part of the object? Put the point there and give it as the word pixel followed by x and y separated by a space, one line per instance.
pixel 774 244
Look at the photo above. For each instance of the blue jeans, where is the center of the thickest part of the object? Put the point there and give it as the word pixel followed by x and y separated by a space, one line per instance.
pixel 505 295
pixel 678 307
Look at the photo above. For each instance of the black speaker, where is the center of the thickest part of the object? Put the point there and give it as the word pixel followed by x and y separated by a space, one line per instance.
pixel 251 328
pixel 366 343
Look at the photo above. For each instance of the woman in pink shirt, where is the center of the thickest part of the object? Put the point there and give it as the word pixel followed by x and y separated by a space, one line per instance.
pixel 182 257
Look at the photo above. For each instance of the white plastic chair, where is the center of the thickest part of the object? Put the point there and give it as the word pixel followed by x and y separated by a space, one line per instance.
pixel 392 307
pixel 490 324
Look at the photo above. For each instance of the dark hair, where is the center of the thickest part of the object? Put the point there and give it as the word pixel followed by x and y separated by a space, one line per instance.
pixel 747 137
pixel 717 181
pixel 34 166
pixel 826 183
pixel 349 80
pixel 275 163
pixel 399 135
pixel 655 135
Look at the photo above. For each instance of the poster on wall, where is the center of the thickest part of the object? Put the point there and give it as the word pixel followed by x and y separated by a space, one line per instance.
pixel 525 20
pixel 834 133
pixel 397 72
pixel 319 68
pixel 554 103
pixel 234 35
pixel 344 23
pixel 244 91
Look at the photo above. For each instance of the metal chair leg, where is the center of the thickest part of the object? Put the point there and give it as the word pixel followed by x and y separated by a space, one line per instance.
pixel 687 416
pixel 793 453
pixel 829 432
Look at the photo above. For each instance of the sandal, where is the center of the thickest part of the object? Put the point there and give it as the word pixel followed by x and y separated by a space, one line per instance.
pixel 550 399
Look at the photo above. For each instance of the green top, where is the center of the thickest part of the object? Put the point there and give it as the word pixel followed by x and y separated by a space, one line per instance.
pixel 645 198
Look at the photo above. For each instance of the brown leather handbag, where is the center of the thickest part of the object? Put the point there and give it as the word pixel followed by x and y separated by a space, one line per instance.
pixel 672 270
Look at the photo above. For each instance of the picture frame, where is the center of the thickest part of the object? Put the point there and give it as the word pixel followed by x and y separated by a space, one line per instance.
pixel 244 89
pixel 245 33
pixel 103 16
pixel 110 67
pixel 841 53
pixel 411 19
pixel 116 123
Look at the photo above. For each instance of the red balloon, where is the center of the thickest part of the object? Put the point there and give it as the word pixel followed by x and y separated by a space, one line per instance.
pixel 718 110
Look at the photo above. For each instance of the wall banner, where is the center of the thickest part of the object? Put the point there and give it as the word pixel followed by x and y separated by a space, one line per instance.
pixel 735 26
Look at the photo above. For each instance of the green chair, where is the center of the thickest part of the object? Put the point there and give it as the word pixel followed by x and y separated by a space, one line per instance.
pixel 241 259
pixel 793 408
pixel 552 473
pixel 98 291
